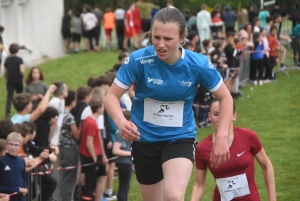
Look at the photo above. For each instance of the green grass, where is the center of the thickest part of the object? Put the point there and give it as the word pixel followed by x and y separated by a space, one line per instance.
pixel 272 111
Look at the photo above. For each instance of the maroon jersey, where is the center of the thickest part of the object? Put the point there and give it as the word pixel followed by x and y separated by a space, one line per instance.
pixel 244 147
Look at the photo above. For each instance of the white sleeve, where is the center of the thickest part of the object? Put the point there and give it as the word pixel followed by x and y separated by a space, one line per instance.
pixel 100 122
pixel 86 112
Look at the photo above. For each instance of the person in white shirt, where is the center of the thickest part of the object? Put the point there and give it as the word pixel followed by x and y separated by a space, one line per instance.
pixel 58 101
pixel 203 23
pixel 90 22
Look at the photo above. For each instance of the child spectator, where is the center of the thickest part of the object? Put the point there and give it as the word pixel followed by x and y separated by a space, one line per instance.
pixel 215 55
pixel 23 106
pixel 257 60
pixel 12 169
pixel 130 31
pixel 7 127
pixel 36 86
pixel 2 147
pixel 109 25
pixel 269 21
pixel 194 40
pixel 121 58
pixel 274 47
pixel 43 124
pixel 58 101
pixel 69 135
pixel 122 148
pixel 14 73
pixel 207 47
pixel 92 151
pixel 83 99
pixel 216 25
pixel 48 155
pixel 77 29
pixel 266 62
pixel 257 23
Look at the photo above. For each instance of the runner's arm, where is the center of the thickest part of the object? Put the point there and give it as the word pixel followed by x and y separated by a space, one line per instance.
pixel 199 185
pixel 268 173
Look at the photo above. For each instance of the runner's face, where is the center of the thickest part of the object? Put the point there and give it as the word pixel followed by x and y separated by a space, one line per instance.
pixel 213 115
pixel 166 41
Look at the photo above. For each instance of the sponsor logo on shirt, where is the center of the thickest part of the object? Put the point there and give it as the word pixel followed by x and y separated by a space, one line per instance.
pixel 155 81
pixel 185 83
pixel 147 61
pixel 127 60
pixel 7 168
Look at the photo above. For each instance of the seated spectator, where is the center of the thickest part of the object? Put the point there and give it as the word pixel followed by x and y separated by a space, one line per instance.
pixel 23 106
pixel 36 86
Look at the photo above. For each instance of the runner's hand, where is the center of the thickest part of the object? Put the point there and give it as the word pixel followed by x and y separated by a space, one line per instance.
pixel 220 152
pixel 128 131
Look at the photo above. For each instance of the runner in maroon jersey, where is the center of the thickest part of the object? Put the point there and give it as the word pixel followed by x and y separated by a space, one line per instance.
pixel 235 178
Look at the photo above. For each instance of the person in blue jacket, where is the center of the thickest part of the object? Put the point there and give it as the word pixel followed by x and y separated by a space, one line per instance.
pixel 162 127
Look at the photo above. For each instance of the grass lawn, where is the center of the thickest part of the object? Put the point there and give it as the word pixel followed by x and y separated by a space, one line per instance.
pixel 272 111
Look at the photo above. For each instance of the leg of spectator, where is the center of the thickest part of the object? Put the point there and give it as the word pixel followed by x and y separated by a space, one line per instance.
pixel 9 96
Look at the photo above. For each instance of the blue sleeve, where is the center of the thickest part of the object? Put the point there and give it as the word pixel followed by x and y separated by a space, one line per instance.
pixel 210 77
pixel 9 190
pixel 126 75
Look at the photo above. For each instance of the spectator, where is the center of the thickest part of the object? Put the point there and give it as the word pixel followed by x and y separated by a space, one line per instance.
pixel 92 151
pixel 130 31
pixel 269 23
pixel 109 25
pixel 1 47
pixel 229 18
pixel 266 61
pixel 263 14
pixel 69 135
pixel 145 9
pixel 14 73
pixel 186 14
pixel 12 169
pixel 43 124
pixel 170 4
pixel 2 148
pixel 6 128
pixel 89 23
pixel 137 22
pixel 58 101
pixel 217 9
pixel 278 10
pixel 23 106
pixel 295 35
pixel 83 98
pixel 295 14
pixel 252 14
pixel 257 60
pixel 216 25
pixel 97 32
pixel 257 23
pixel 121 58
pixel 65 29
pixel 36 86
pixel 203 24
pixel 122 148
pixel 77 31
pixel 194 40
pixel 242 18
pixel 119 17
pixel 192 23
pixel 154 11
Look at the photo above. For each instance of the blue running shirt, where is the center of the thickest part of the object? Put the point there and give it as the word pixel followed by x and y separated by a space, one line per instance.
pixel 162 106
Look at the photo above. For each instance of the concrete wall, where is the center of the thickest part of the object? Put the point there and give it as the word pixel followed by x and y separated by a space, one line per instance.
pixel 35 24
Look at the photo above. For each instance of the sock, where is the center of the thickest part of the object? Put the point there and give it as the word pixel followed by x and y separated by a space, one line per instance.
pixel 109 191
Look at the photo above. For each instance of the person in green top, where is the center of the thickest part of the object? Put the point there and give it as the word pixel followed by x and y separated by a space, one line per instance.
pixel 145 9
pixel 36 86
pixel 263 14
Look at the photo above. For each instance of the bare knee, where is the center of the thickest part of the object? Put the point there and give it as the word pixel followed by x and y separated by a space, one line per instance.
pixel 173 195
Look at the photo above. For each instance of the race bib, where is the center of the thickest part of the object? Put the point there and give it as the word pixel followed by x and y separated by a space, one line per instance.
pixel 168 114
pixel 233 187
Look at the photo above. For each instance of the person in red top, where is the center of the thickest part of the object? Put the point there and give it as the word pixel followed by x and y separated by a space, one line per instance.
pixel 130 31
pixel 274 47
pixel 91 151
pixel 137 25
pixel 235 178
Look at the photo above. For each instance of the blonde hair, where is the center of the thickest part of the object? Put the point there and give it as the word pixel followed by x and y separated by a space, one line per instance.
pixel 97 93
pixel 14 136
